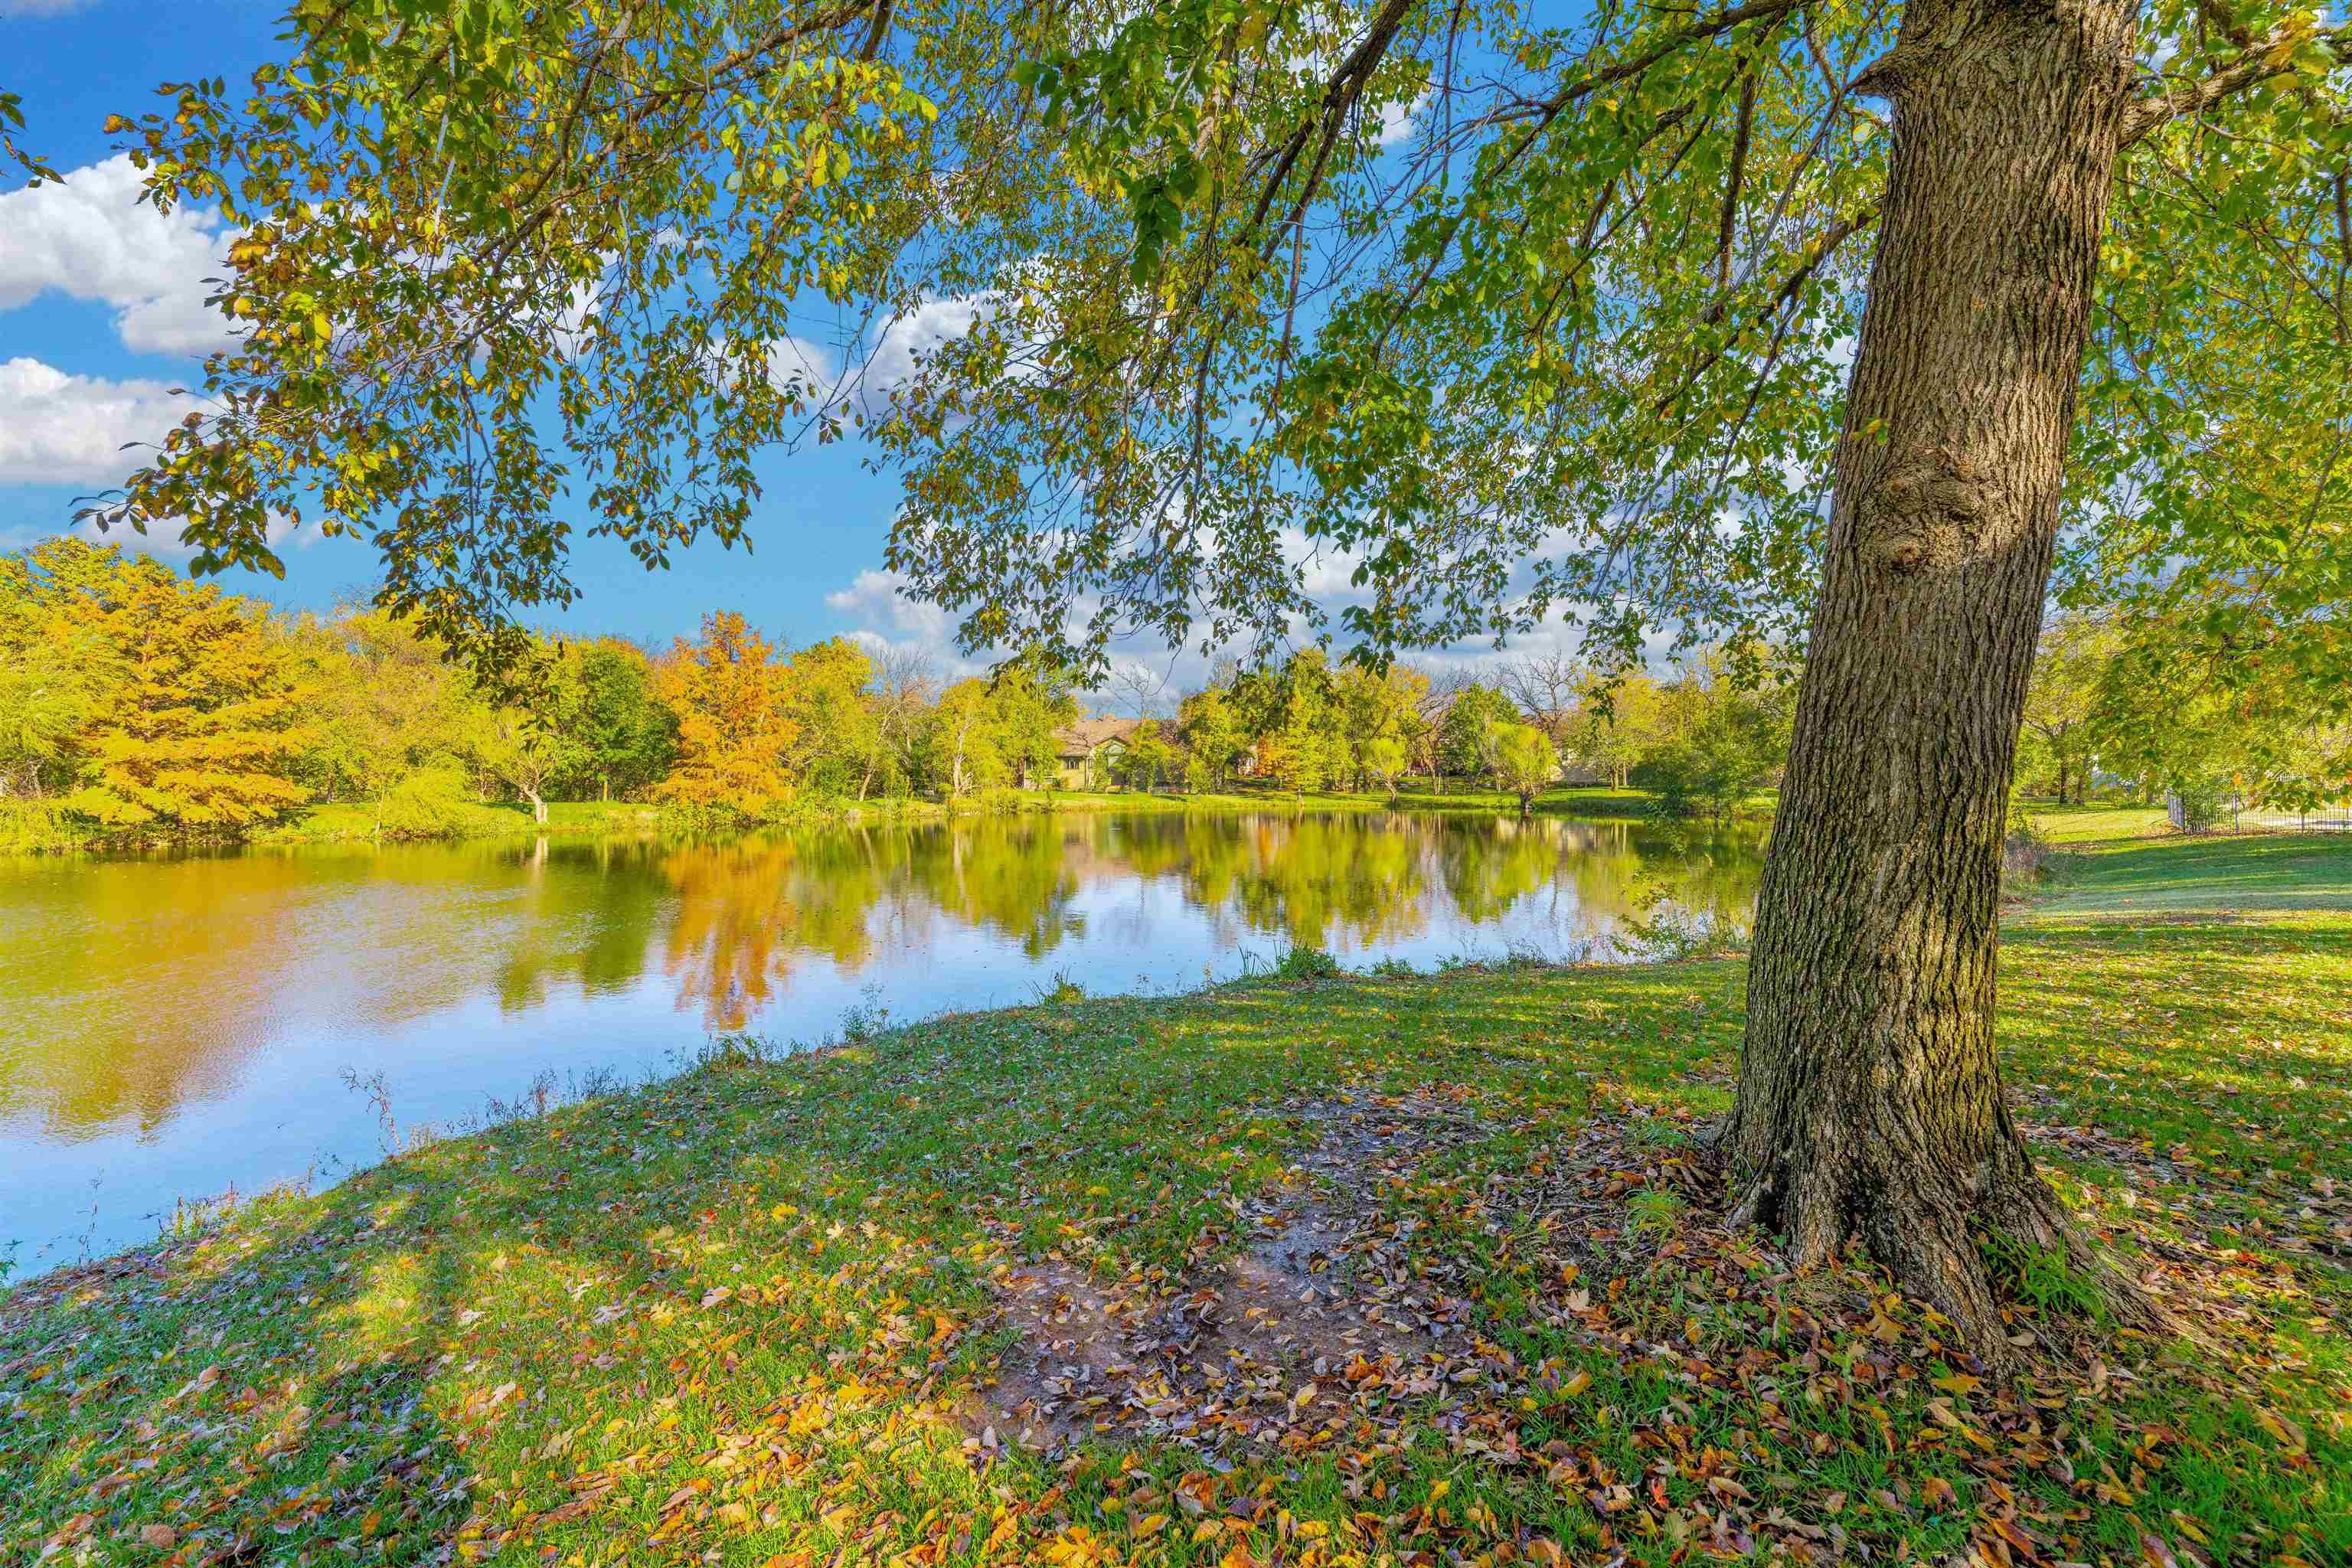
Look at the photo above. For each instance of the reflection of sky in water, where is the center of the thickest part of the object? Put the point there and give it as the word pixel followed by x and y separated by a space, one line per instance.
pixel 176 1028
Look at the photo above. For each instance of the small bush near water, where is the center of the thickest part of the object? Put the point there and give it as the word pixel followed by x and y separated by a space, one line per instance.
pixel 1299 964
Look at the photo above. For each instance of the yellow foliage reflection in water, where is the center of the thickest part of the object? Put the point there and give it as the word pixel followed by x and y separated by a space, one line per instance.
pixel 128 987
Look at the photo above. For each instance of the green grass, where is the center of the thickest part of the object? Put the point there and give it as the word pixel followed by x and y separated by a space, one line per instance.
pixel 1415 794
pixel 337 822
pixel 730 1318
pixel 2090 823
pixel 2213 874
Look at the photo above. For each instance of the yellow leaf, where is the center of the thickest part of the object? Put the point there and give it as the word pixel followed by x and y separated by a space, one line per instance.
pixel 2280 1427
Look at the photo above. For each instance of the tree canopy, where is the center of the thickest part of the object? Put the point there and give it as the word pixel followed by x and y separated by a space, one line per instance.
pixel 1154 308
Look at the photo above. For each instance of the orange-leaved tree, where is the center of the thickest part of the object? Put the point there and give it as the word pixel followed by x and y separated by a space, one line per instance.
pixel 731 695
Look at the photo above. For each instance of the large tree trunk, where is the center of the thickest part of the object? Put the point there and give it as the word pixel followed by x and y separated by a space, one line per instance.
pixel 1870 1102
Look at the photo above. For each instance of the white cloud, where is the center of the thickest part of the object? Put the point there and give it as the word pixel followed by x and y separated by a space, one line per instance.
pixel 90 237
pixel 797 362
pixel 879 599
pixel 62 429
pixel 869 372
pixel 1398 120
pixel 908 338
pixel 162 540
pixel 29 8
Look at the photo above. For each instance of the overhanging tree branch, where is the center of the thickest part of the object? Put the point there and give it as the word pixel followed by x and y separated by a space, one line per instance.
pixel 2271 56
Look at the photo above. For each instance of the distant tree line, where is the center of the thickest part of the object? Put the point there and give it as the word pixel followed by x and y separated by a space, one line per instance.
pixel 136 702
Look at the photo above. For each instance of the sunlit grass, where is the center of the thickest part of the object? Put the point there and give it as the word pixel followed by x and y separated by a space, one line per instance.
pixel 2218 874
pixel 2090 823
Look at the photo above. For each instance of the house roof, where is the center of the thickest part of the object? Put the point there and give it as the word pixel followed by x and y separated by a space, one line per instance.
pixel 1081 739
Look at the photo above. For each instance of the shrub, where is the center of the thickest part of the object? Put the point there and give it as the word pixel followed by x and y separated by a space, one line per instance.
pixel 2025 852
pixel 430 802
pixel 864 1019
pixel 38 828
pixel 1306 964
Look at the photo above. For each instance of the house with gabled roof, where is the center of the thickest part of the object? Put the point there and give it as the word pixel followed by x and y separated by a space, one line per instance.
pixel 1086 753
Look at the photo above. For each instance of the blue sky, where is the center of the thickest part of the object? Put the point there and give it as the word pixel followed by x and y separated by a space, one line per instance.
pixel 101 312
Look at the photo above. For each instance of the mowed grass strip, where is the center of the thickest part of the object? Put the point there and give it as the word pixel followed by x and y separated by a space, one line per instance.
pixel 735 1317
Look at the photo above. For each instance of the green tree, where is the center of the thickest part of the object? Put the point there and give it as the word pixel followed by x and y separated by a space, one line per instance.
pixel 1213 733
pixel 959 750
pixel 2070 667
pixel 1375 707
pixel 1029 700
pixel 1150 758
pixel 1467 734
pixel 526 747
pixel 393 718
pixel 1595 365
pixel 1720 740
pixel 1525 762
pixel 54 664
pixel 624 736
pixel 1305 743
pixel 1617 720
pixel 837 742
pixel 1383 757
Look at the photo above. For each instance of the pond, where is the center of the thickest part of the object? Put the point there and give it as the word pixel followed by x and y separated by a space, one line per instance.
pixel 178 1029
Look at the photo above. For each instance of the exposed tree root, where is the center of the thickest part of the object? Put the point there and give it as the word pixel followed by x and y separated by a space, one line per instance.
pixel 1937 1239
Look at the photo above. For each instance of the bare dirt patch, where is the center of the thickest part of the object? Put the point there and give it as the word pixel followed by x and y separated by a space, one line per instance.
pixel 1316 1324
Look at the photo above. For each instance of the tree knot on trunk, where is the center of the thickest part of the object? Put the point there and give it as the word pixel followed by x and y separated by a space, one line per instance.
pixel 1930 510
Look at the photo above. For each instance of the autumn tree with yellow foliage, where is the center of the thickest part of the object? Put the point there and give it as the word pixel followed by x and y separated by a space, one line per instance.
pixel 730 694
pixel 189 706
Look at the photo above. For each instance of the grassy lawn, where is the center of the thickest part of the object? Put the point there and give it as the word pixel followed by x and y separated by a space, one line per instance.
pixel 1592 803
pixel 1375 1269
pixel 2090 823
pixel 339 822
pixel 2215 874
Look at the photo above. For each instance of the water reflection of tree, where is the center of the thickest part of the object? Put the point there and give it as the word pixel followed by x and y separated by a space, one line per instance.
pixel 126 988
pixel 1487 866
pixel 586 916
pixel 1711 871
pixel 1016 876
pixel 748 910
pixel 1318 882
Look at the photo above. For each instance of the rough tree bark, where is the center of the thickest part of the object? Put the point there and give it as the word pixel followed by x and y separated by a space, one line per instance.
pixel 1870 1102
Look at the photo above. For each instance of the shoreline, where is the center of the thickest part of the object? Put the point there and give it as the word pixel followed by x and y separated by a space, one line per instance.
pixel 340 823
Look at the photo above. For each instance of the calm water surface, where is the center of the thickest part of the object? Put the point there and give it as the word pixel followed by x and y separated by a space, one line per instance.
pixel 177 1028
